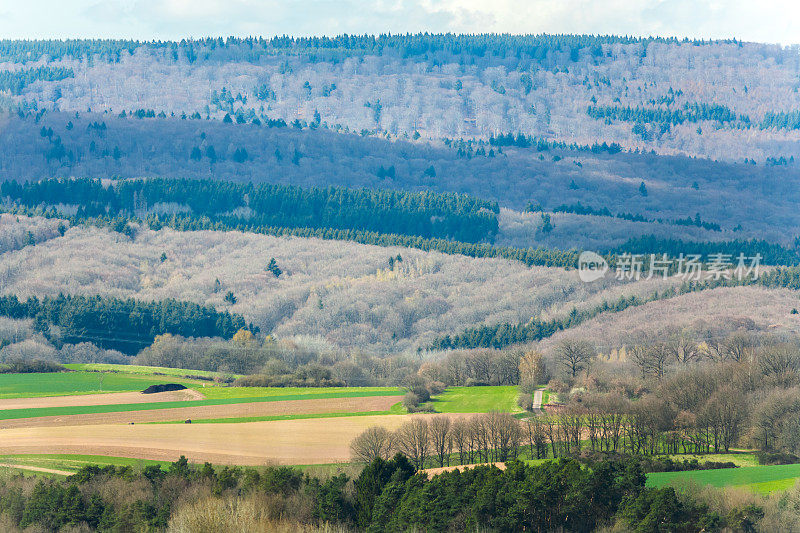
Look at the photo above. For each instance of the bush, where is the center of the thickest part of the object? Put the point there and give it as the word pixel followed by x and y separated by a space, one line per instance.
pixel 561 387
pixel 411 401
pixel 30 367
pixel 778 458
pixel 163 387
pixel 436 387
pixel 286 380
pixel 525 401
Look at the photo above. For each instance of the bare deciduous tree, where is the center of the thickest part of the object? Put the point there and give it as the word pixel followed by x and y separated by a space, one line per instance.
pixel 441 438
pixel 376 441
pixel 574 356
pixel 413 440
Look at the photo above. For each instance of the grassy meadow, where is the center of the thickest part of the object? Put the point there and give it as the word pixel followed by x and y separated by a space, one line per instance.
pixel 757 478
pixel 477 399
pixel 80 382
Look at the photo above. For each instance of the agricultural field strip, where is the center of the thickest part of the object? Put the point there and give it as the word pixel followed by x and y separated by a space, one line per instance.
pixel 727 476
pixel 111 398
pixel 47 384
pixel 320 407
pixel 156 371
pixel 14 414
pixel 311 441
pixel 273 418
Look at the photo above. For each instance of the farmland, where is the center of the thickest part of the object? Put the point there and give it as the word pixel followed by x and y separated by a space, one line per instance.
pixel 39 412
pixel 476 400
pixel 757 478
pixel 70 383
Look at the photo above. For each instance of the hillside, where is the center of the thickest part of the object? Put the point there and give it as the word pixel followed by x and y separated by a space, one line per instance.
pixel 741 200
pixel 700 98
pixel 344 292
pixel 679 139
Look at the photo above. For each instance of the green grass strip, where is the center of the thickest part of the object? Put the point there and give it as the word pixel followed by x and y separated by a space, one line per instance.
pixel 396 409
pixel 145 370
pixel 36 412
pixel 272 418
pixel 727 476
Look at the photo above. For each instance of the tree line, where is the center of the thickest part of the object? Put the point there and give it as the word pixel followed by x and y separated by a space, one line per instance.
pixel 506 334
pixel 580 209
pixel 386 495
pixel 771 253
pixel 126 325
pixel 425 214
pixel 16 80
pixel 690 112
pixel 314 48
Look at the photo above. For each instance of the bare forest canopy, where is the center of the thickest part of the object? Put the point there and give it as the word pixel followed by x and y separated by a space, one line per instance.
pixel 528 148
pixel 725 100
pixel 682 197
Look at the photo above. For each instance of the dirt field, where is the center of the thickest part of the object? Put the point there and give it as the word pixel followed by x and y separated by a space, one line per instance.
pixel 100 399
pixel 36 469
pixel 289 407
pixel 310 441
pixel 435 471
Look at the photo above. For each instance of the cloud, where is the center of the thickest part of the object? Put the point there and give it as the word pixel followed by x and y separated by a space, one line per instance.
pixel 766 20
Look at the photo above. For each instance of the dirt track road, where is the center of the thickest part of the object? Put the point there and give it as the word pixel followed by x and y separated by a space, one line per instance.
pixel 538 396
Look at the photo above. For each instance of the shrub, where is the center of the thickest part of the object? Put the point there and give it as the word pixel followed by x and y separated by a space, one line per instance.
pixel 525 401
pixel 436 387
pixel 411 401
pixel 30 367
pixel 778 458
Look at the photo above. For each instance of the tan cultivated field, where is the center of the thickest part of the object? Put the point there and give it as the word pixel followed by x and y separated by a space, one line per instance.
pixel 310 441
pixel 289 407
pixel 110 398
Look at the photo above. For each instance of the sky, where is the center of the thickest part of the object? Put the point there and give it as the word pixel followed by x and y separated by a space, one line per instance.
pixel 772 21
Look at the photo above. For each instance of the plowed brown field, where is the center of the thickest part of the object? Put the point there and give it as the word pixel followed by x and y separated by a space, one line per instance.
pixel 100 399
pixel 309 441
pixel 289 407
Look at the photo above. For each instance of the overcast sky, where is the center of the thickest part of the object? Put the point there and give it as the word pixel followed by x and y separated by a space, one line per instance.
pixel 763 20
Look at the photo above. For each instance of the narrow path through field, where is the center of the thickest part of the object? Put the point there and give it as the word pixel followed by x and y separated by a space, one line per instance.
pixel 37 469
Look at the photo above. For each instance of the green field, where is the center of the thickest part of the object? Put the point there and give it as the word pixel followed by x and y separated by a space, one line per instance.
pixel 297 393
pixel 739 459
pixel 757 478
pixel 148 370
pixel 13 414
pixel 71 463
pixel 70 383
pixel 397 409
pixel 477 400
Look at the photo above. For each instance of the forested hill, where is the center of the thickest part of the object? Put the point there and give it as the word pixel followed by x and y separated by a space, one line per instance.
pixel 124 325
pixel 719 99
pixel 427 215
pixel 687 140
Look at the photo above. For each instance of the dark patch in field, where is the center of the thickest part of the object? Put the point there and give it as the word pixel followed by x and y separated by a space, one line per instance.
pixel 163 387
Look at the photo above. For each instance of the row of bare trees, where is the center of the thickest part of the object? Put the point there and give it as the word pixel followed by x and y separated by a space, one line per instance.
pixel 475 367
pixel 438 440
